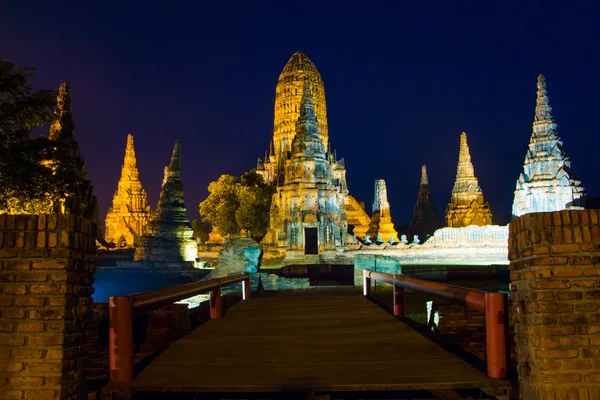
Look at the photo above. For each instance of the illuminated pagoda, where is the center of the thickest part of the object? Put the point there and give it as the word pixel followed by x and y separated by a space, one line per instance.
pixel 308 211
pixel 547 182
pixel 381 227
pixel 130 212
pixel 467 205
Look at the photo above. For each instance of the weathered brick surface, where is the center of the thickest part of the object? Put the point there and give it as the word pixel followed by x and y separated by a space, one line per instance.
pixel 47 264
pixel 555 283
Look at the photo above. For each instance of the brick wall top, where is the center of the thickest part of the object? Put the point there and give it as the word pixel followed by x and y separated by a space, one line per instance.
pixel 567 231
pixel 54 231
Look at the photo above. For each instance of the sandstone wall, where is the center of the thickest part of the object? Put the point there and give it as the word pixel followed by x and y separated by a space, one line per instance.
pixel 46 274
pixel 555 275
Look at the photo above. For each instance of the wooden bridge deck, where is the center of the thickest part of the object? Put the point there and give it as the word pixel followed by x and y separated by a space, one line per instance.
pixel 312 341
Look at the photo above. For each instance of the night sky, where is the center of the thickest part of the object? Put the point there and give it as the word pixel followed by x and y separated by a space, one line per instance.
pixel 401 83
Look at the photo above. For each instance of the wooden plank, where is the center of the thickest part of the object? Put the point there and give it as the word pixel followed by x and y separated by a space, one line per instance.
pixel 308 341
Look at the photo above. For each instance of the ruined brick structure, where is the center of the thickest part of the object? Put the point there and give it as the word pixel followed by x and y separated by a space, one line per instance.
pixel 308 211
pixel 47 264
pixel 130 212
pixel 425 220
pixel 168 238
pixel 381 227
pixel 547 182
pixel 555 276
pixel 301 144
pixel 467 205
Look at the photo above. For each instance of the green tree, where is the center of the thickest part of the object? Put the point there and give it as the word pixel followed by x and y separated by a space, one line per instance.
pixel 238 204
pixel 201 230
pixel 23 173
pixel 220 205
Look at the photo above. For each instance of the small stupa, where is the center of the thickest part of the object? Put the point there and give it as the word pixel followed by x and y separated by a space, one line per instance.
pixel 547 182
pixel 467 205
pixel 381 227
pixel 168 238
pixel 425 220
pixel 130 212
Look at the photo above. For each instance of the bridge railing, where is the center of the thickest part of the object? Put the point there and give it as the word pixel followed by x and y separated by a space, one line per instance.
pixel 123 308
pixel 492 304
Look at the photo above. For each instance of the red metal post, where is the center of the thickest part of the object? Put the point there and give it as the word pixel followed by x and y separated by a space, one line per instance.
pixel 121 339
pixel 495 320
pixel 398 301
pixel 366 283
pixel 215 303
pixel 246 289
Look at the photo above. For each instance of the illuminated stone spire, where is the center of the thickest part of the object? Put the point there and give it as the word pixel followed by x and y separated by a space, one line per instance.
pixel 288 103
pixel 547 182
pixel 425 220
pixel 63 126
pixel 381 219
pixel 307 142
pixel 130 212
pixel 467 205
pixel 168 236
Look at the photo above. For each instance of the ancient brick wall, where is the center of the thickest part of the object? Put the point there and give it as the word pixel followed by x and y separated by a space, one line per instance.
pixel 555 275
pixel 46 274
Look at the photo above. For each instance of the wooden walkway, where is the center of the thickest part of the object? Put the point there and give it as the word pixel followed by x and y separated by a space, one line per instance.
pixel 311 341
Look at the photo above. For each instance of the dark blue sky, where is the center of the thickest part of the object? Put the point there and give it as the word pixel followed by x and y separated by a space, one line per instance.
pixel 402 81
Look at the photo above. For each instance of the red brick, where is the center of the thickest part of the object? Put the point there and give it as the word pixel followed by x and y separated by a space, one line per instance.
pixel 46 314
pixel 15 289
pixel 7 277
pixel 56 289
pixel 592 377
pixel 564 377
pixel 572 319
pixel 567 272
pixel 13 313
pixel 554 307
pixel 569 295
pixel 566 248
pixel 48 264
pixel 557 353
pixel 590 353
pixel 31 276
pixel 12 340
pixel 11 367
pixel 11 395
pixel 30 327
pixel 554 260
pixel 41 394
pixel 20 353
pixel 587 283
pixel 44 341
pixel 6 327
pixel 574 341
pixel 557 330
pixel 551 284
pixel 592 271
pixel 35 301
pixel 592 294
pixel 43 366
pixel 543 296
pixel 577 364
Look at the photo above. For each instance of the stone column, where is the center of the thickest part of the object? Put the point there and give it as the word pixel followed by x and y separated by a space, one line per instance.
pixel 555 283
pixel 46 274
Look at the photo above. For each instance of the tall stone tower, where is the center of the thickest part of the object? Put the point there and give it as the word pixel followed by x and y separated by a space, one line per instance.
pixel 130 212
pixel 425 220
pixel 381 226
pixel 547 182
pixel 167 240
pixel 308 211
pixel 467 206
pixel 288 100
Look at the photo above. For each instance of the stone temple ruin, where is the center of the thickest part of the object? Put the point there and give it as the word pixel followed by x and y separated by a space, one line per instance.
pixel 314 219
pixel 130 212
pixel 467 206
pixel 547 182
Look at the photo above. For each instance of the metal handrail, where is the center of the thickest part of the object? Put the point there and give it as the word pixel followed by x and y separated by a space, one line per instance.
pixel 492 304
pixel 122 309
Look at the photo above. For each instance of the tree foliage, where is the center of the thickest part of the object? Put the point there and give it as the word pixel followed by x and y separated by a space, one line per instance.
pixel 236 204
pixel 22 169
pixel 201 230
